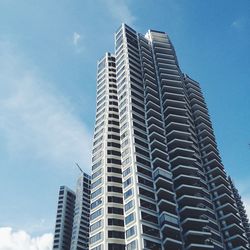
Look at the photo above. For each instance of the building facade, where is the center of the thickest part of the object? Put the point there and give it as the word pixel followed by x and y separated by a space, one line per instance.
pixel 80 231
pixel 72 220
pixel 157 177
pixel 64 219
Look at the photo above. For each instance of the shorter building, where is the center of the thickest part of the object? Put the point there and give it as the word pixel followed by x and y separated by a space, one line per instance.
pixel 64 218
pixel 80 233
pixel 72 219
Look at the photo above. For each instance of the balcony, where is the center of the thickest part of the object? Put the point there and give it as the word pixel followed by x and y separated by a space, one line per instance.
pixel 175 142
pixel 207 140
pixel 178 126
pixel 181 151
pixel 165 205
pixel 172 244
pixel 157 144
pixel 230 218
pixel 176 118
pixel 182 160
pixel 194 246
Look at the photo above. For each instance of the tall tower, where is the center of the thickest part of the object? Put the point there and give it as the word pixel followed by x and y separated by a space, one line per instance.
pixel 158 179
pixel 107 220
pixel 64 219
pixel 80 230
pixel 72 219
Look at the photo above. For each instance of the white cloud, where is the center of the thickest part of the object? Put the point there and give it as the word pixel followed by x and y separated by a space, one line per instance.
pixel 76 38
pixel 36 120
pixel 21 240
pixel 120 11
pixel 238 24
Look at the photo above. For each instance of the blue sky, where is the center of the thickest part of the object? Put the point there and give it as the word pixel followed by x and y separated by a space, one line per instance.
pixel 48 54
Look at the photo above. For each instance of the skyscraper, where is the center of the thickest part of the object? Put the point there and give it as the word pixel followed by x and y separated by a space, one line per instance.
pixel 64 219
pixel 157 177
pixel 80 231
pixel 72 220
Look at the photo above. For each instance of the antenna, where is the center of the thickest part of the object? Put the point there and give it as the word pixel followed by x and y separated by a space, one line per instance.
pixel 79 167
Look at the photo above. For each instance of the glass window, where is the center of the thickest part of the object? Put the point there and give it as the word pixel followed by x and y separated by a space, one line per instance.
pixel 132 245
pixel 129 218
pixel 96 193
pixel 127 182
pixel 95 238
pixel 128 193
pixel 129 205
pixel 96 225
pixel 96 214
pixel 96 203
pixel 130 232
pixel 126 171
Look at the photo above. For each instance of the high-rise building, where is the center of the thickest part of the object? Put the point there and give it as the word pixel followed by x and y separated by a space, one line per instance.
pixel 64 219
pixel 158 181
pixel 72 220
pixel 80 232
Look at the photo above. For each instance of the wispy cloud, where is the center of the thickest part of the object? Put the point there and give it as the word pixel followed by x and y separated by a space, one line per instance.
pixel 36 120
pixel 236 24
pixel 120 11
pixel 77 41
pixel 21 240
pixel 76 38
pixel 239 24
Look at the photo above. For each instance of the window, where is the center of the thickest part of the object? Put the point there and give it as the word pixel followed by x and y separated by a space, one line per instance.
pixel 114 161
pixel 97 248
pixel 116 222
pixel 115 210
pixel 96 214
pixel 115 199
pixel 113 144
pixel 114 170
pixel 116 234
pixel 126 161
pixel 132 245
pixel 96 183
pixel 114 246
pixel 114 179
pixel 128 193
pixel 126 171
pixel 96 225
pixel 129 205
pixel 97 173
pixel 96 193
pixel 129 218
pixel 125 152
pixel 127 182
pixel 114 189
pixel 95 238
pixel 130 232
pixel 96 203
